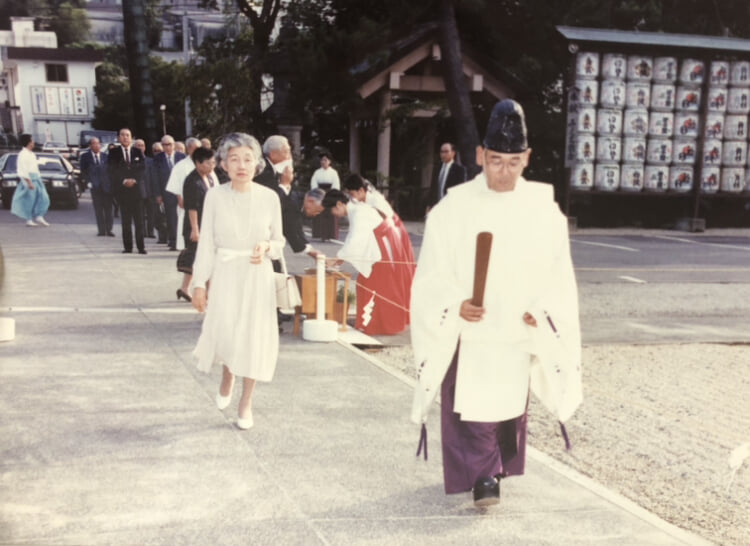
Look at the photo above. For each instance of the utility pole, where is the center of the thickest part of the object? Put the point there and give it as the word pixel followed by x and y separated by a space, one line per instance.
pixel 186 49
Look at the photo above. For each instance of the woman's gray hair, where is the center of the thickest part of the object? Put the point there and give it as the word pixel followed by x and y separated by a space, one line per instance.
pixel 237 140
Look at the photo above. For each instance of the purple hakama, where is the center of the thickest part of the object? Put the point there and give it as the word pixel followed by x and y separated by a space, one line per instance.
pixel 472 449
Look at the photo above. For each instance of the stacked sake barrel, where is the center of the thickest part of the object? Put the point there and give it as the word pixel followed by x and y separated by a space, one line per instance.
pixel 582 121
pixel 687 102
pixel 735 77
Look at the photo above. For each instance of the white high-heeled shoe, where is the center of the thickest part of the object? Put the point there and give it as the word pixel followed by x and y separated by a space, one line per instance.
pixel 223 401
pixel 245 422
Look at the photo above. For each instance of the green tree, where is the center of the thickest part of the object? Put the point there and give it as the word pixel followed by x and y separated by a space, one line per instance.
pixel 222 87
pixel 71 24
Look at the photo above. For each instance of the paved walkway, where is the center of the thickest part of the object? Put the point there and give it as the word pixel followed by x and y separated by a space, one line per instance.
pixel 110 435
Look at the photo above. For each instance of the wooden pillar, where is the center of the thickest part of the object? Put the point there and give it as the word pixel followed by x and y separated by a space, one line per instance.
pixel 384 138
pixel 354 154
pixel 293 133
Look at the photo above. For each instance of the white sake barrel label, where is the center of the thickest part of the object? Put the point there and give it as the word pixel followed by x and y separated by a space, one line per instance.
pixel 710 179
pixel 585 119
pixel 684 152
pixel 734 153
pixel 717 99
pixel 631 177
pixel 739 73
pixel 637 95
pixel 640 68
pixel 585 148
pixel 665 69
pixel 735 127
pixel 681 178
pixel 659 150
pixel 587 65
pixel 714 125
pixel 712 152
pixel 732 179
pixel 657 178
pixel 634 149
pixel 614 66
pixel 692 71
pixel 584 92
pixel 608 148
pixel 607 176
pixel 612 94
pixel 635 122
pixel 686 124
pixel 719 73
pixel 738 101
pixel 688 98
pixel 661 124
pixel 609 121
pixel 663 96
pixel 582 176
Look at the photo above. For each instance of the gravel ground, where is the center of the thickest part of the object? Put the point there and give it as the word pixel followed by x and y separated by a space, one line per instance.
pixel 657 425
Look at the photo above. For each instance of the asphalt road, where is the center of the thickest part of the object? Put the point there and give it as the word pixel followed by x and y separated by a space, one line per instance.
pixel 635 286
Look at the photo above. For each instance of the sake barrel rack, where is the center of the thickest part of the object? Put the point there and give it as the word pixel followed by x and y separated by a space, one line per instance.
pixel 656 129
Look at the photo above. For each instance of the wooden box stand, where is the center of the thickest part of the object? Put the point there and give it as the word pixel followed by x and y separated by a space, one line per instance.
pixel 308 290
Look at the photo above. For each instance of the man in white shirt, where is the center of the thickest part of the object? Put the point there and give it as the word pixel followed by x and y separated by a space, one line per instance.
pixel 175 183
pixel 30 200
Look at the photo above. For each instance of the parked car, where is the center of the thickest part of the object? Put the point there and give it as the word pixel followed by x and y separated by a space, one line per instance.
pixel 55 147
pixel 59 176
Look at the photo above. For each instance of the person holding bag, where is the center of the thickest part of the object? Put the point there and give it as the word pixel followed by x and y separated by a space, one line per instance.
pixel 197 183
pixel 240 233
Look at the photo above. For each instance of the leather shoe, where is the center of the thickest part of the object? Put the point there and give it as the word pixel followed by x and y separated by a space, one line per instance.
pixel 183 295
pixel 486 491
pixel 142 251
pixel 110 234
pixel 172 248
pixel 127 251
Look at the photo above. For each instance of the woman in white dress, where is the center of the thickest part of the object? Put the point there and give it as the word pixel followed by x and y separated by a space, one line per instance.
pixel 241 232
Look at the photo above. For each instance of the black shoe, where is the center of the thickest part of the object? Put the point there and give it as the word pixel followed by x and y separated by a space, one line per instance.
pixel 486 491
pixel 100 234
pixel 172 248
pixel 127 251
pixel 110 234
pixel 142 251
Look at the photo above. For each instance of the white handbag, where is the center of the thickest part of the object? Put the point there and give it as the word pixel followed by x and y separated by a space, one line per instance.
pixel 287 291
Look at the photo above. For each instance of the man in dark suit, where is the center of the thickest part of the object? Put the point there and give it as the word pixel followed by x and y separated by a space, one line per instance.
pixel 450 174
pixel 126 167
pixel 149 203
pixel 279 166
pixel 93 165
pixel 163 164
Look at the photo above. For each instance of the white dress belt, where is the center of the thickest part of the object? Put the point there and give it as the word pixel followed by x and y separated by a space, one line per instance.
pixel 229 254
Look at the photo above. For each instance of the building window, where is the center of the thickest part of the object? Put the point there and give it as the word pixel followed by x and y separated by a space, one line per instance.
pixel 57 72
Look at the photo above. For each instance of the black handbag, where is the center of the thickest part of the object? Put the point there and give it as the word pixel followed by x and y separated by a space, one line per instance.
pixel 185 260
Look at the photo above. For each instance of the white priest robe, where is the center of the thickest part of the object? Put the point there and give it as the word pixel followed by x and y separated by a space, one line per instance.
pixel 530 269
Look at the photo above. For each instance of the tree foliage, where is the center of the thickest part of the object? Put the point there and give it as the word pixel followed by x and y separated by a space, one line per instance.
pixel 114 108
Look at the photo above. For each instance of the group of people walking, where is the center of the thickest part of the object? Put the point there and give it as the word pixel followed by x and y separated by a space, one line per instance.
pixel 481 356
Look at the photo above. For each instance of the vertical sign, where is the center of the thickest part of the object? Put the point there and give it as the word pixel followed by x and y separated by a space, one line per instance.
pixel 80 102
pixel 38 102
pixel 66 101
pixel 53 100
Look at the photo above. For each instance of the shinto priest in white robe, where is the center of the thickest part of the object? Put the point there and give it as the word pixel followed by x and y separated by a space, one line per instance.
pixel 530 270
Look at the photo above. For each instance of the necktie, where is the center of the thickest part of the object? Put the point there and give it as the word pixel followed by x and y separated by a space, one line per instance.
pixel 127 156
pixel 169 162
pixel 441 180
pixel 211 180
pixel 96 159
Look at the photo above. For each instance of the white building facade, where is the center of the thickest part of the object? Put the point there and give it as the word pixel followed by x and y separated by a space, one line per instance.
pixel 45 91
